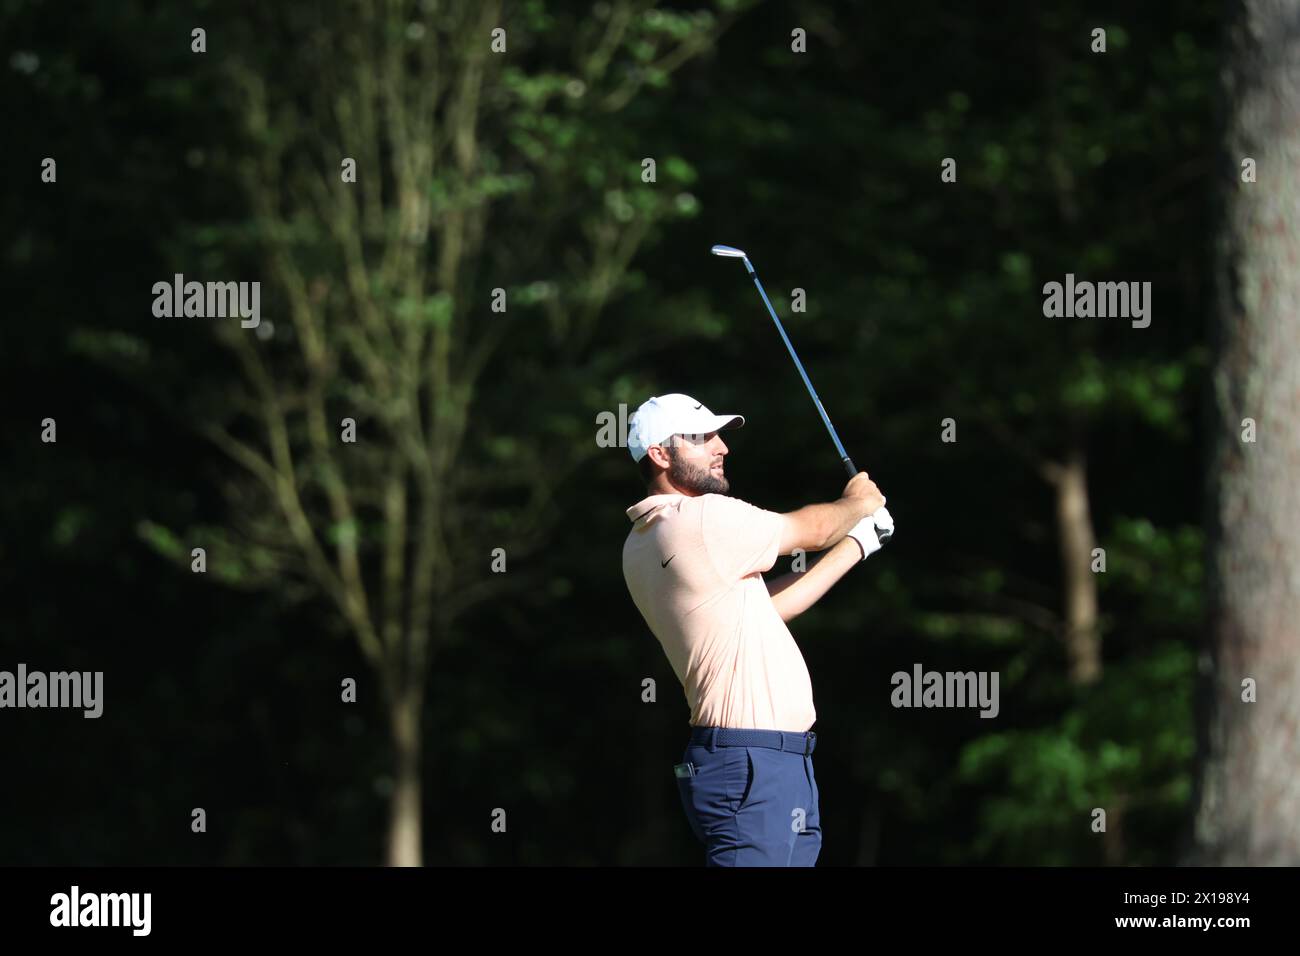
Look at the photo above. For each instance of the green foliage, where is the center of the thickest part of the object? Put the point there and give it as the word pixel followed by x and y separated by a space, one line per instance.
pixel 1162 569
pixel 110 347
pixel 164 541
pixel 924 303
pixel 1125 747
pixel 68 525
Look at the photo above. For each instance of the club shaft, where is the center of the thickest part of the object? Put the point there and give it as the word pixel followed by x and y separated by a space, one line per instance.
pixel 839 447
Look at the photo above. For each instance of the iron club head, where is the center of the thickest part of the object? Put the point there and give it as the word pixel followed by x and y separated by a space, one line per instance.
pixel 729 251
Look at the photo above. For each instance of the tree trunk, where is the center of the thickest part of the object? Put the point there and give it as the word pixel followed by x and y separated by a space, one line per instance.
pixel 1248 811
pixel 1113 844
pixel 404 845
pixel 1074 524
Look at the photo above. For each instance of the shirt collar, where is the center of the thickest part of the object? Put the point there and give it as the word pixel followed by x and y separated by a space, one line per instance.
pixel 647 506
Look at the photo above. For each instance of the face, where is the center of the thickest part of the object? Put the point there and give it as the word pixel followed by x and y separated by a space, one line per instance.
pixel 696 466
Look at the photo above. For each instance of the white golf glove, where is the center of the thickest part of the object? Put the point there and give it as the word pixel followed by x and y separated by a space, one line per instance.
pixel 884 522
pixel 864 532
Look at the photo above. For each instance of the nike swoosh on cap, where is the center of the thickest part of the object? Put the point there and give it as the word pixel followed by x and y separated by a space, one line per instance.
pixel 665 564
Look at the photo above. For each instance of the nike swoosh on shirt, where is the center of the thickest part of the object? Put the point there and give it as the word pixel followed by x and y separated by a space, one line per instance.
pixel 665 564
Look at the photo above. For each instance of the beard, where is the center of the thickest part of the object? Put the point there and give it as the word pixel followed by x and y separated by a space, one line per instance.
pixel 701 481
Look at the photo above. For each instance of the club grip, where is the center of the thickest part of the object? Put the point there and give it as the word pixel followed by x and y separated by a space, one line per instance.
pixel 882 535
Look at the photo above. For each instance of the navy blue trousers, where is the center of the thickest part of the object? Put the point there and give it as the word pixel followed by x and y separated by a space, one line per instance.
pixel 751 797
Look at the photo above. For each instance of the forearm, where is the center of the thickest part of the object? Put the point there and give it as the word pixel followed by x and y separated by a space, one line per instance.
pixel 833 519
pixel 794 593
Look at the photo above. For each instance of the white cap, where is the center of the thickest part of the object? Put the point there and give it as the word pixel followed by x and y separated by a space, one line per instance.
pixel 663 416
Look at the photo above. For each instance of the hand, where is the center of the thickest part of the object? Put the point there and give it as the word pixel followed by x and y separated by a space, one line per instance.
pixel 884 524
pixel 863 490
pixel 864 533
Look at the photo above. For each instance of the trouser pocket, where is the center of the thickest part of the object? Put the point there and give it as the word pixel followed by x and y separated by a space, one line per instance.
pixel 714 786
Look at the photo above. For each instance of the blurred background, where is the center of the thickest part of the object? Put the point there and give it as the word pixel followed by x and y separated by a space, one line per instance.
pixel 515 161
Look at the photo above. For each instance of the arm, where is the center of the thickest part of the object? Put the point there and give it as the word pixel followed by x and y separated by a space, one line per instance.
pixel 794 593
pixel 818 527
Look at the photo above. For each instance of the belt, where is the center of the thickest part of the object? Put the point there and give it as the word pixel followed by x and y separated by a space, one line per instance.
pixel 714 737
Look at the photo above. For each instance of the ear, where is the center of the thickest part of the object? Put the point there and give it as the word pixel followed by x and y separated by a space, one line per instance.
pixel 659 455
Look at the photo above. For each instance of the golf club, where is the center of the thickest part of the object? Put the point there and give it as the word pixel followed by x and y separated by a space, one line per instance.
pixel 732 252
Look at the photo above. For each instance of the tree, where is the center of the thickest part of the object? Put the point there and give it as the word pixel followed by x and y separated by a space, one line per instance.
pixel 1249 806
pixel 485 176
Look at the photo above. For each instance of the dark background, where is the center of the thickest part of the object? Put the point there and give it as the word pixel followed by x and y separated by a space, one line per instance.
pixel 924 303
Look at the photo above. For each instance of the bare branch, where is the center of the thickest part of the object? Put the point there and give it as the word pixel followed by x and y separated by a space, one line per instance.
pixel 677 57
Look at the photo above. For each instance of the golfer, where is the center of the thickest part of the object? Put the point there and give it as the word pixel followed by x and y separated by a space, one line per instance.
pixel 693 563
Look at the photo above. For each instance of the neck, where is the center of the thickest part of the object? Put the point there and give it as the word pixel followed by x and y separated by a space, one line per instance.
pixel 662 486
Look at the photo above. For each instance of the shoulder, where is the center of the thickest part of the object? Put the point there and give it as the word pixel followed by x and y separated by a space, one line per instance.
pixel 724 507
pixel 716 501
pixel 723 501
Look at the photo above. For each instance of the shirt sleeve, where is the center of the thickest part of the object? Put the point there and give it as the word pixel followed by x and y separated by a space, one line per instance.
pixel 740 539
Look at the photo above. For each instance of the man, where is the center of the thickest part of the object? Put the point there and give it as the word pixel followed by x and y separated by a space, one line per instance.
pixel 693 563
